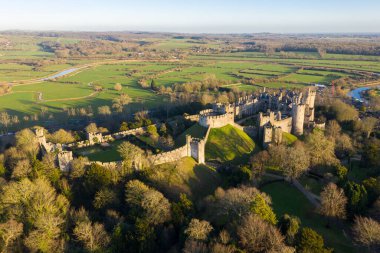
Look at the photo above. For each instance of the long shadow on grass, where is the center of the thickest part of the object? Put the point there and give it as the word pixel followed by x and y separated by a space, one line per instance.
pixel 205 181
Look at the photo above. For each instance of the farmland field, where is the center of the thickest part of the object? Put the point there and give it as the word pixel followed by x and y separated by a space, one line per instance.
pixel 27 62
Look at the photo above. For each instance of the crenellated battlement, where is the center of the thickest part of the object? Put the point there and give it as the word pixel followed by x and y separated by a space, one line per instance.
pixel 219 116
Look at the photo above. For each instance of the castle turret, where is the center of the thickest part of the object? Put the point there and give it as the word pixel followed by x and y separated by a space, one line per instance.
pixel 40 135
pixel 310 102
pixel 298 118
pixel 279 115
pixel 94 138
pixel 196 148
pixel 64 159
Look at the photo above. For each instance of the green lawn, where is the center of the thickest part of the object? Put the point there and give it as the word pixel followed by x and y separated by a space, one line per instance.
pixel 287 199
pixel 102 154
pixel 184 176
pixel 274 71
pixel 60 94
pixel 300 78
pixel 288 138
pixel 228 143
pixel 195 130
pixel 311 184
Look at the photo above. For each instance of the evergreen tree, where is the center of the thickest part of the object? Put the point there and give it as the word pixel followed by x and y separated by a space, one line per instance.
pixel 357 198
pixel 310 241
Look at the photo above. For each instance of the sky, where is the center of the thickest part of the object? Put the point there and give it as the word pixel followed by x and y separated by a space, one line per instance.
pixel 193 16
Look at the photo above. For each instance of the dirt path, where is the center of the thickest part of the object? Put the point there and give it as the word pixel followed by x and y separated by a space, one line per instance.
pixel 71 99
pixel 313 199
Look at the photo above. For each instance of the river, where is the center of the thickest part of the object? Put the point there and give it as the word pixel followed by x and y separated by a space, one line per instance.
pixel 60 74
pixel 357 93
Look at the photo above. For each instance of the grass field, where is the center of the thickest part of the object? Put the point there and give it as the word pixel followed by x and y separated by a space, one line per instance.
pixel 195 130
pixel 228 143
pixel 311 184
pixel 79 93
pixel 184 176
pixel 101 154
pixel 272 71
pixel 287 199
pixel 289 138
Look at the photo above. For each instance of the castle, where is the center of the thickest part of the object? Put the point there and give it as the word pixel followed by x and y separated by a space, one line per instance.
pixel 285 111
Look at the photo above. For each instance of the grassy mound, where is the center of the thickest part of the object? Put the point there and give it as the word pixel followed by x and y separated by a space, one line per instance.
pixel 195 130
pixel 228 143
pixel 184 176
pixel 288 138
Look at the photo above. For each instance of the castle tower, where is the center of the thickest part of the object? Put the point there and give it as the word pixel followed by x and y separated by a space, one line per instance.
pixel 279 116
pixel 298 118
pixel 310 101
pixel 94 138
pixel 196 148
pixel 64 159
pixel 267 135
pixel 201 151
pixel 277 135
pixel 188 145
pixel 40 136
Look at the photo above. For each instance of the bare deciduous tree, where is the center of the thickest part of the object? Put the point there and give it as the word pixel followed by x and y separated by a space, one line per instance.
pixel 333 128
pixel 333 202
pixel 297 162
pixel 27 141
pixel 367 232
pixel 118 87
pixel 9 231
pixel 256 235
pixel 198 229
pixel 321 149
pixel 93 236
pixel 131 154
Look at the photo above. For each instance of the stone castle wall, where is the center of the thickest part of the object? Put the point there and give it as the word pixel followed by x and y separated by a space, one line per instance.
pixel 110 165
pixel 170 156
pixel 94 138
pixel 194 147
pixel 275 120
pixel 109 137
pixel 246 106
pixel 272 135
pixel 216 121
pixel 194 118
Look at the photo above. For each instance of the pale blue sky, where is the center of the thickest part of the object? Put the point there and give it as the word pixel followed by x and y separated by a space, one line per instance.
pixel 217 16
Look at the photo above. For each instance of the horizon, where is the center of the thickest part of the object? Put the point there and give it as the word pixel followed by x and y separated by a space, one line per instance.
pixel 208 16
pixel 186 33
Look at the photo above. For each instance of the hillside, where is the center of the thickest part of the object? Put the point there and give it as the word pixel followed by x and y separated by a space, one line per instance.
pixel 184 176
pixel 289 138
pixel 228 143
pixel 195 130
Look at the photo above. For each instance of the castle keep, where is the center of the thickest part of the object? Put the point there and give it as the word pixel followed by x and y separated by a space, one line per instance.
pixel 219 116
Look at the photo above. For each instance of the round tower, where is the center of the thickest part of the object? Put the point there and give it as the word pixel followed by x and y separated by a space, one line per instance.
pixel 298 117
pixel 311 101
